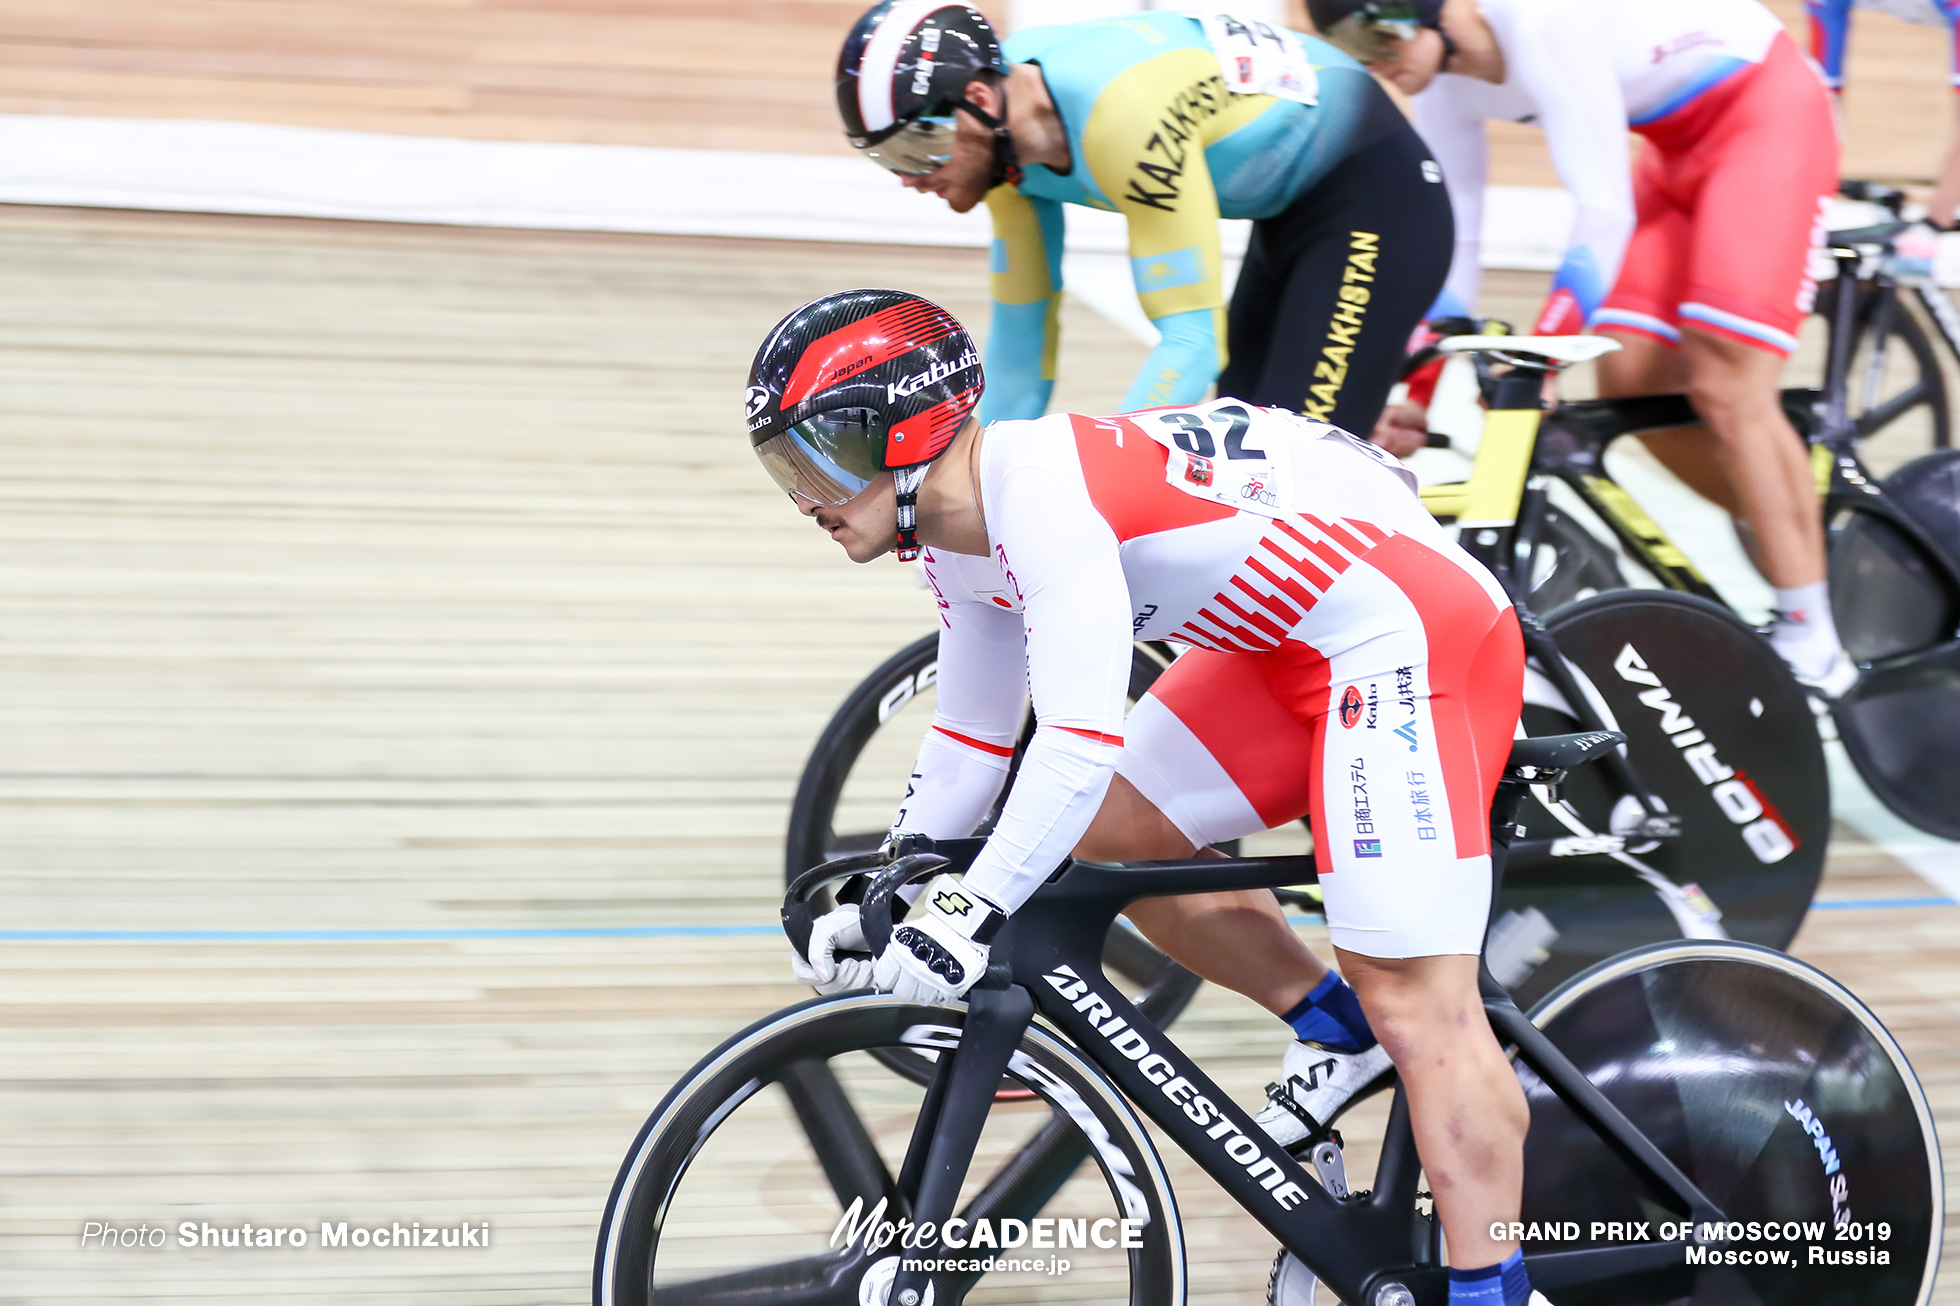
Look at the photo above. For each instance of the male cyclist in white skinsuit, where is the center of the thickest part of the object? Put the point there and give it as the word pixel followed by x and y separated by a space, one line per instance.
pixel 1699 265
pixel 1345 661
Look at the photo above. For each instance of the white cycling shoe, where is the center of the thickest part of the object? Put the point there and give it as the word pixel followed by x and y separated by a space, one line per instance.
pixel 1801 654
pixel 1840 676
pixel 1319 1081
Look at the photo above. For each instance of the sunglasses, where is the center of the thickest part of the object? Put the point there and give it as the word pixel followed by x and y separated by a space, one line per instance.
pixel 919 147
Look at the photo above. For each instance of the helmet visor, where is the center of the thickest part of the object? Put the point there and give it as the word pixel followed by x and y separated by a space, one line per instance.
pixel 1374 33
pixel 917 148
pixel 828 459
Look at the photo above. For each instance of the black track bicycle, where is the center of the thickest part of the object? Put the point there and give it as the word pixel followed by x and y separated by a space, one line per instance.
pixel 1711 1122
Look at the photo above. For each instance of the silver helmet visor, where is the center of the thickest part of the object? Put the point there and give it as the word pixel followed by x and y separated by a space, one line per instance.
pixel 1374 33
pixel 828 459
pixel 919 147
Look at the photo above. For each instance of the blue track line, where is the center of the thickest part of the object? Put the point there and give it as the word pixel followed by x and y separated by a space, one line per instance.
pixel 450 935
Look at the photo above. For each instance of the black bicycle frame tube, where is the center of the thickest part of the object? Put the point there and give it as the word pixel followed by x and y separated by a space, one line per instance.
pixel 1053 945
pixel 1835 411
pixel 1055 954
pixel 1941 310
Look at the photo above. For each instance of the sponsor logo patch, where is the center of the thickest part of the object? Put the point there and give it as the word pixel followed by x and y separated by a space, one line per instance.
pixel 1351 707
pixel 1198 470
pixel 1367 847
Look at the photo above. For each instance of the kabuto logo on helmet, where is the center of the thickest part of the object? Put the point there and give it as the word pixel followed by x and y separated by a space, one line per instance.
pixel 911 385
pixel 755 401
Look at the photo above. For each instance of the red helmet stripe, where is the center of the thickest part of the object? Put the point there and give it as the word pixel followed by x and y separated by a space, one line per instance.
pixel 924 436
pixel 865 344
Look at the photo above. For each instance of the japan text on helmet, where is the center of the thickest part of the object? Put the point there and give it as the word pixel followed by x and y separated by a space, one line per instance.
pixel 1371 30
pixel 902 76
pixel 857 383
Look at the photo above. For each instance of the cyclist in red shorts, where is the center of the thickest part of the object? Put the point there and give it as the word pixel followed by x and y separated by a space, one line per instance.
pixel 1346 662
pixel 1705 252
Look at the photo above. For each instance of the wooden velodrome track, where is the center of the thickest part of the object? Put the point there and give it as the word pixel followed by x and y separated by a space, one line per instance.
pixel 360 579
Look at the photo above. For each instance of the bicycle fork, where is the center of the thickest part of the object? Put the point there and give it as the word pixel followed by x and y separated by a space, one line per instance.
pixel 952 1117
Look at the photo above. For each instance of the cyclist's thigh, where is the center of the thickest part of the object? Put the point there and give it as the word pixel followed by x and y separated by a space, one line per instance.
pixel 1367 250
pixel 1653 280
pixel 1392 746
pixel 1417 721
pixel 1761 209
pixel 1213 750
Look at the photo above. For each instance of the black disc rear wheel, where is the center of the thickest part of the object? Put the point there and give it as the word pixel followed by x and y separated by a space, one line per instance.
pixel 1722 734
pixel 1897 605
pixel 1777 1093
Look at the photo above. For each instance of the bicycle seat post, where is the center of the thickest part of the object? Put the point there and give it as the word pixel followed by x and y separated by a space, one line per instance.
pixel 1834 424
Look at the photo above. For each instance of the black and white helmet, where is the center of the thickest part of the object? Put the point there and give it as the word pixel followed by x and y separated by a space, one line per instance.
pixel 903 74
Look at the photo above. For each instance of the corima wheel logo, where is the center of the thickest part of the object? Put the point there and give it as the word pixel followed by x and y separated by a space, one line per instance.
pixel 1762 827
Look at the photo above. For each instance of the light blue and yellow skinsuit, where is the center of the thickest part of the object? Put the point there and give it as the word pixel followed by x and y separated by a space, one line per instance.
pixel 1153 134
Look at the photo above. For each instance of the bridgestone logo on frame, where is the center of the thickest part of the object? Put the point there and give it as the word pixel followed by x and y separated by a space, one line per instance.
pixel 1153 1066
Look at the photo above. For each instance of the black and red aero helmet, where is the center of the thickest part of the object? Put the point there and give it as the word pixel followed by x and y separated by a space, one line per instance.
pixel 902 75
pixel 857 383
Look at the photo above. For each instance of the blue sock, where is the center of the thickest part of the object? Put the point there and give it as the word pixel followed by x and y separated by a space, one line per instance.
pixel 1503 1284
pixel 1331 1016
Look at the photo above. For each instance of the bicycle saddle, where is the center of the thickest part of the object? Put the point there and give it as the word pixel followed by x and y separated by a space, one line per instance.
pixel 1563 350
pixel 1878 236
pixel 1547 755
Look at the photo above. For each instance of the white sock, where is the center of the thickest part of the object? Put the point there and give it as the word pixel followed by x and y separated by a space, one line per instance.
pixel 1806 636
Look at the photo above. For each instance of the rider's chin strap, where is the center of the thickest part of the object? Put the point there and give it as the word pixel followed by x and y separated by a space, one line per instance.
pixel 1007 160
pixel 907 480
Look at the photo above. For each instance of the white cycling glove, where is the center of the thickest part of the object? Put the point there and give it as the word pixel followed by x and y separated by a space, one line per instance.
pixel 824 970
pixel 938 954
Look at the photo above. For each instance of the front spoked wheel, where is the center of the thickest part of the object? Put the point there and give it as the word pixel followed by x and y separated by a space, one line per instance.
pixel 1721 733
pixel 1778 1094
pixel 734 1191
